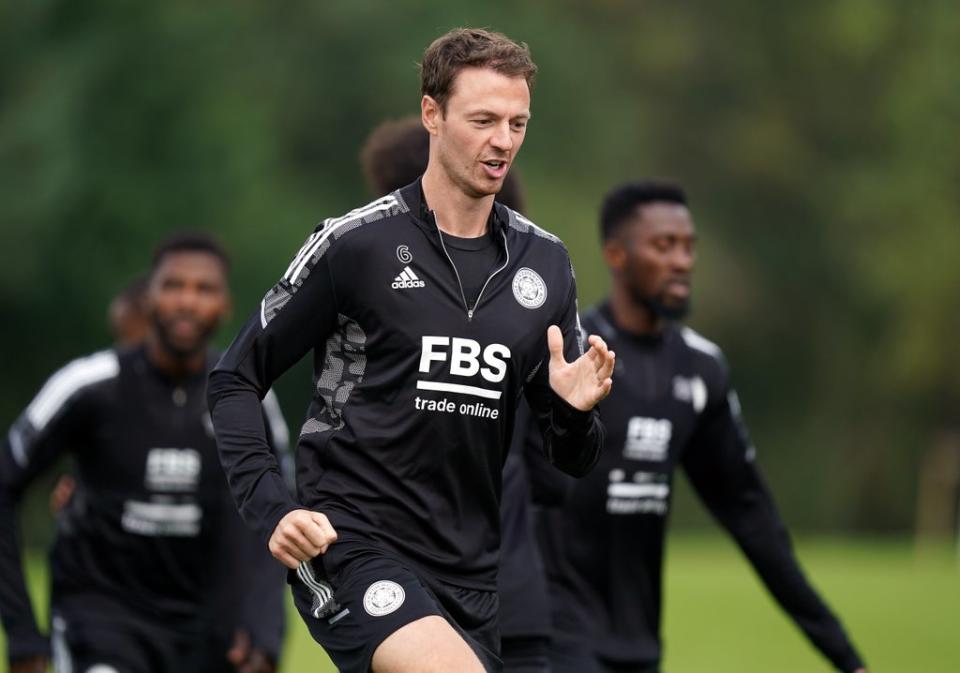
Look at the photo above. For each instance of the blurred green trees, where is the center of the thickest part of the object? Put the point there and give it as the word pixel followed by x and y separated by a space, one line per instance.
pixel 819 142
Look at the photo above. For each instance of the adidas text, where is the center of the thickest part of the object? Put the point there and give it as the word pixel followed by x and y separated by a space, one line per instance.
pixel 404 284
pixel 406 280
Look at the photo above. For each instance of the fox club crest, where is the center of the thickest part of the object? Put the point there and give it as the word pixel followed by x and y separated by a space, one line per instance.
pixel 383 597
pixel 529 289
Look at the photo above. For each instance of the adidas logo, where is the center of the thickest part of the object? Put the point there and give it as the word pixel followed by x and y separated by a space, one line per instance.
pixel 407 279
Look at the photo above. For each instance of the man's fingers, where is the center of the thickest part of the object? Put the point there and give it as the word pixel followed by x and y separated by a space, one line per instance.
pixel 327 533
pixel 302 545
pixel 606 366
pixel 300 536
pixel 240 649
pixel 314 533
pixel 599 347
pixel 284 553
pixel 555 345
pixel 291 535
pixel 286 559
pixel 257 663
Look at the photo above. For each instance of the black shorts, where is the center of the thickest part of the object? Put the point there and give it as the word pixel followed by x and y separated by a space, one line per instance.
pixel 353 597
pixel 568 655
pixel 99 635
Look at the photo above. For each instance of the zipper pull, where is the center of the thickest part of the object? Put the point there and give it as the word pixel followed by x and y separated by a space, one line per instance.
pixel 469 315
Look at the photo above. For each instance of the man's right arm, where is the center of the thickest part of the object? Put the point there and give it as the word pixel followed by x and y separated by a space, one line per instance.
pixel 721 466
pixel 54 421
pixel 297 314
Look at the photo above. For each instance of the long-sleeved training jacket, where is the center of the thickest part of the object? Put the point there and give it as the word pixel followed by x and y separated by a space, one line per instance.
pixel 414 391
pixel 672 405
pixel 151 524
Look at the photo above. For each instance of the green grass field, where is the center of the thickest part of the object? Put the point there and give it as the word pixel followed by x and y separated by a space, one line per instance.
pixel 903 610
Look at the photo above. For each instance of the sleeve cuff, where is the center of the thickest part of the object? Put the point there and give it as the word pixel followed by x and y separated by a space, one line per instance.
pixel 568 419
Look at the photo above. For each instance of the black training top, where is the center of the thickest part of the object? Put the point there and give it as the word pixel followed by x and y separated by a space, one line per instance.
pixel 671 405
pixel 151 523
pixel 415 393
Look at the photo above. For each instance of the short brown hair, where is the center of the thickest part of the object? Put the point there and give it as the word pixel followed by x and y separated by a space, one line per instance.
pixel 396 154
pixel 471 48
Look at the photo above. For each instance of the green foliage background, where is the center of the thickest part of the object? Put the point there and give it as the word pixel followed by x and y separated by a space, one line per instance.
pixel 818 141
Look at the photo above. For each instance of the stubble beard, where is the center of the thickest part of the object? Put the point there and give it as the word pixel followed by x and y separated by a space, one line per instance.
pixel 659 307
pixel 179 350
pixel 460 176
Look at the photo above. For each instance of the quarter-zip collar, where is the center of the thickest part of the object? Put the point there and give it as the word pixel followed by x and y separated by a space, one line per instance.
pixel 412 196
pixel 426 219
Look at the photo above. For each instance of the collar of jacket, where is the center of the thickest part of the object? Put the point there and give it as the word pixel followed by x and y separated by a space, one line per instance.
pixel 412 195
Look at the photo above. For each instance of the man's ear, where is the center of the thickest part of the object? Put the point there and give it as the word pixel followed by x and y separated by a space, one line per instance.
pixel 614 254
pixel 430 114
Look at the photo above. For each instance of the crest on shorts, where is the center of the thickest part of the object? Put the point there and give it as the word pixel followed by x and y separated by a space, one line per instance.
pixel 382 598
pixel 529 289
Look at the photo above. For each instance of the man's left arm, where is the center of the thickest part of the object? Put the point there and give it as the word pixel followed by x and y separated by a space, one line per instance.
pixel 720 464
pixel 565 390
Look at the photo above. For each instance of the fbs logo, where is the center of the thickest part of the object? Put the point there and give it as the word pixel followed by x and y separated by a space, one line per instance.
pixel 406 280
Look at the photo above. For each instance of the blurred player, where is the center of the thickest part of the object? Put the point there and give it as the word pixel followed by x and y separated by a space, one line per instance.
pixel 395 155
pixel 672 406
pixel 429 311
pixel 127 313
pixel 151 570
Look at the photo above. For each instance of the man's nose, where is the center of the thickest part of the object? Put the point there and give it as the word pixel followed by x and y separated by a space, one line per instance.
pixel 683 259
pixel 187 299
pixel 501 139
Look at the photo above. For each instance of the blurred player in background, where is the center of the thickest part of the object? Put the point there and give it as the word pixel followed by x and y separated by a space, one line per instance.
pixel 672 406
pixel 127 314
pixel 395 155
pixel 151 570
pixel 429 313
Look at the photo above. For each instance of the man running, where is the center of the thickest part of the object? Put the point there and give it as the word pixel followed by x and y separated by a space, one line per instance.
pixel 430 312
pixel 394 155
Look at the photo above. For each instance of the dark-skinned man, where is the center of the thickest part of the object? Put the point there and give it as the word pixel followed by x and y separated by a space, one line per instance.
pixel 672 407
pixel 151 569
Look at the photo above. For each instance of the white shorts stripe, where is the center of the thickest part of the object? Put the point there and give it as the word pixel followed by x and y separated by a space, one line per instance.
pixel 62 659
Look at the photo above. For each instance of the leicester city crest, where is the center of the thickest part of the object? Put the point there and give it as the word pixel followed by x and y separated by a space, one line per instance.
pixel 529 289
pixel 382 598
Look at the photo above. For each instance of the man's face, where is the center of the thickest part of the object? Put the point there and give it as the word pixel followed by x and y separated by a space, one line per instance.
pixel 186 300
pixel 653 256
pixel 482 129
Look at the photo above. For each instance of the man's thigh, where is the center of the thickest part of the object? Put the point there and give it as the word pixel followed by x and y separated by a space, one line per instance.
pixel 428 645
pixel 353 600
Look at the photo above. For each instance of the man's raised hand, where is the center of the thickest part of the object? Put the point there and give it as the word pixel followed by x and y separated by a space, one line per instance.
pixel 585 381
